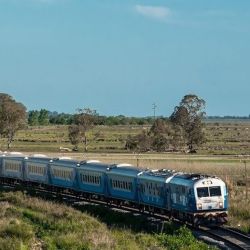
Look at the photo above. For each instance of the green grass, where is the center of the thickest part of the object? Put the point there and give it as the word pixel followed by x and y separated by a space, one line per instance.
pixel 33 223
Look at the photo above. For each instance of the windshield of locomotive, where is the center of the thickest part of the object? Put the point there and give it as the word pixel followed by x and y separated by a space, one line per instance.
pixel 208 191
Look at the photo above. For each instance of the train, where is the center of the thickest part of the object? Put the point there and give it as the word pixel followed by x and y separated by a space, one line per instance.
pixel 193 198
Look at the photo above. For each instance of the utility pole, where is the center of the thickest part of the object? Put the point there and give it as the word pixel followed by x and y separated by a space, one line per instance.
pixel 154 108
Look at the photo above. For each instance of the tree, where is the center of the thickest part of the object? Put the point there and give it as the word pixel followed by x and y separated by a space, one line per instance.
pixel 162 135
pixel 188 116
pixel 33 118
pixel 83 121
pixel 74 136
pixel 139 143
pixel 12 117
pixel 43 117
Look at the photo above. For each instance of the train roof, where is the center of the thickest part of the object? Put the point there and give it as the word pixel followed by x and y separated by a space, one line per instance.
pixel 38 159
pixel 93 165
pixel 157 175
pixel 16 157
pixel 189 179
pixel 124 169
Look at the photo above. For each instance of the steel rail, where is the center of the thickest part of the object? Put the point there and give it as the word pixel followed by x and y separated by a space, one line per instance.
pixel 231 238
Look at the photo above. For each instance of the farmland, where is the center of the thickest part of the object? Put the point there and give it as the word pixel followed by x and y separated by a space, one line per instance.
pixel 224 138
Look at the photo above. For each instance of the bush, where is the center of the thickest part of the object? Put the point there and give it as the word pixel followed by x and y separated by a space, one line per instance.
pixel 182 239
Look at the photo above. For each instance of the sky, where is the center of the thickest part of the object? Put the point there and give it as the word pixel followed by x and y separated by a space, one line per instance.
pixel 120 57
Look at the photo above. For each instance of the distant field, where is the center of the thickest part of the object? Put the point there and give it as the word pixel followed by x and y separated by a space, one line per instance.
pixel 224 138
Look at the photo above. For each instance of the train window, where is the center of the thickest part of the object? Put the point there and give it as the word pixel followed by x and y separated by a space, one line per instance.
pixel 215 191
pixel 202 192
pixel 36 170
pixel 9 166
pixel 64 174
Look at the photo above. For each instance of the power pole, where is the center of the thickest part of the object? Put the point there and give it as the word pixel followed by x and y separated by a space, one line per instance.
pixel 154 108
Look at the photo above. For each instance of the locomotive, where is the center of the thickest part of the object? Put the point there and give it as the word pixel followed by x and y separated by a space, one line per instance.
pixel 195 198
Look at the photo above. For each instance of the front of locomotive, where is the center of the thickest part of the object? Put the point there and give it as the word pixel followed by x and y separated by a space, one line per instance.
pixel 211 201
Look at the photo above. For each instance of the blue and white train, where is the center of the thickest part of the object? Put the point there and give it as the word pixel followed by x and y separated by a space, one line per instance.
pixel 195 198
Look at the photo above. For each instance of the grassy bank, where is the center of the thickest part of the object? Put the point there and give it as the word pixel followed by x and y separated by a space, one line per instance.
pixel 32 223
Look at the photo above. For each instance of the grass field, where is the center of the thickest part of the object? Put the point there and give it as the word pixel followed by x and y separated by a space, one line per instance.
pixel 222 138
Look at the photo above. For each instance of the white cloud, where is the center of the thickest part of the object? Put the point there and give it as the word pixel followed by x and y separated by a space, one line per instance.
pixel 156 12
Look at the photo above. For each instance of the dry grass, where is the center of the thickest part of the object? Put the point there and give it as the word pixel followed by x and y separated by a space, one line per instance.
pixel 230 137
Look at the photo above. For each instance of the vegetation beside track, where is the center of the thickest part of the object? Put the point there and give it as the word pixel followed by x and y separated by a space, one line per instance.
pixel 33 223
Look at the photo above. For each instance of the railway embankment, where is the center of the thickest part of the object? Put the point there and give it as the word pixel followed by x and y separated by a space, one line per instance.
pixel 42 223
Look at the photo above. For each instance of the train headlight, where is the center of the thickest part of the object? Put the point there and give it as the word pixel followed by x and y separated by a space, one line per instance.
pixel 199 205
pixel 220 205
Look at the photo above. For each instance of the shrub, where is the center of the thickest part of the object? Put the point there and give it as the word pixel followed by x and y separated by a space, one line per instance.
pixel 182 239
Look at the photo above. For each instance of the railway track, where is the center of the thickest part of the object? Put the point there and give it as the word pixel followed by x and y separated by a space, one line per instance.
pixel 223 237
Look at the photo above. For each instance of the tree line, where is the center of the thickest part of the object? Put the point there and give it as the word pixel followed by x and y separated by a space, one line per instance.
pixel 45 117
pixel 182 130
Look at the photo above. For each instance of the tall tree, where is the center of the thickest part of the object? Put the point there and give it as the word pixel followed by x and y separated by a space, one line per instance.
pixel 33 118
pixel 83 121
pixel 74 136
pixel 162 135
pixel 12 117
pixel 43 117
pixel 189 115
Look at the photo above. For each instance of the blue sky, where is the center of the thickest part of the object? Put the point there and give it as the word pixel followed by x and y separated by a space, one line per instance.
pixel 120 57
